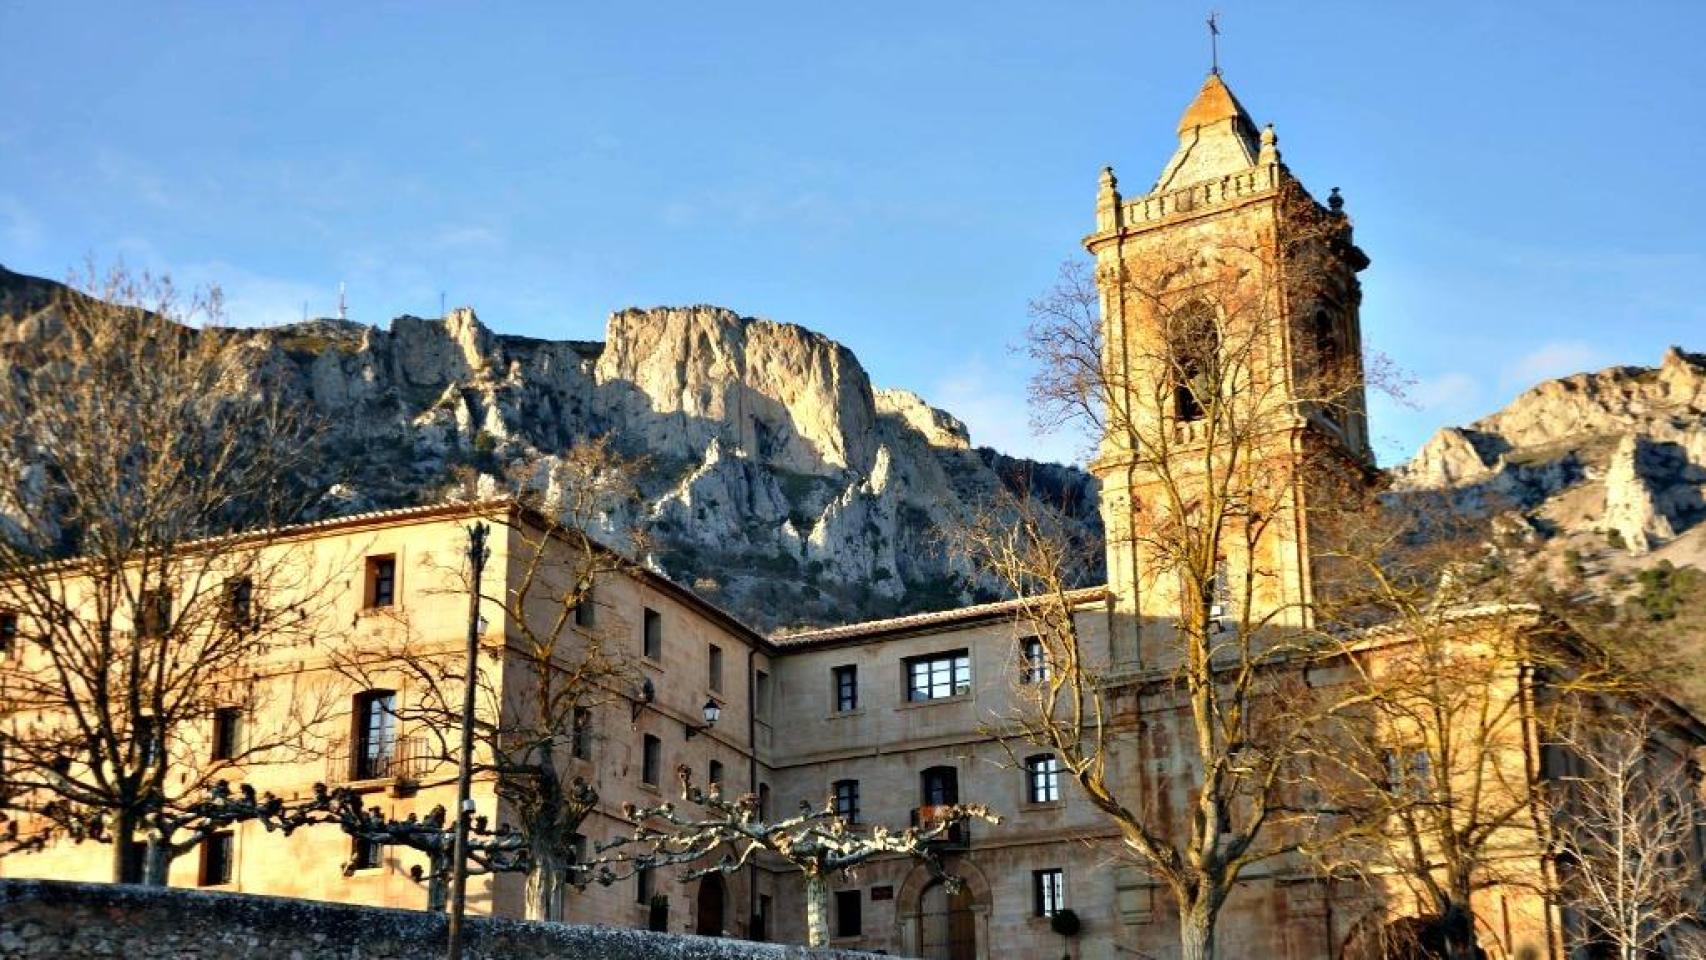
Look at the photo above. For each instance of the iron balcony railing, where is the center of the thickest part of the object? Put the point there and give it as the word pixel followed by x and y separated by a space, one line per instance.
pixel 405 758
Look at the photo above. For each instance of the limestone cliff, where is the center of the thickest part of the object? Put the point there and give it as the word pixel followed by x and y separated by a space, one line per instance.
pixel 780 483
pixel 1613 461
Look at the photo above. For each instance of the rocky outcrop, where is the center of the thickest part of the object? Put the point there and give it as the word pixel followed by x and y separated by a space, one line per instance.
pixel 780 483
pixel 1620 453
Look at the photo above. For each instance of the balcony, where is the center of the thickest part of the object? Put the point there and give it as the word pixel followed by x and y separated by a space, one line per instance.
pixel 958 836
pixel 403 762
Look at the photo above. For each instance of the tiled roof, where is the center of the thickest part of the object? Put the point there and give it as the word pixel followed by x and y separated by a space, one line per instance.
pixel 920 622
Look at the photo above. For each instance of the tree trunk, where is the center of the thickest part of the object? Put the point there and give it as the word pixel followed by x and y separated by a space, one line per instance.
pixel 124 833
pixel 817 911
pixel 1458 928
pixel 545 887
pixel 156 861
pixel 1196 930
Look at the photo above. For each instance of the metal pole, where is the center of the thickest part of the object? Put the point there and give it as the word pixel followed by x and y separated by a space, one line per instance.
pixel 477 554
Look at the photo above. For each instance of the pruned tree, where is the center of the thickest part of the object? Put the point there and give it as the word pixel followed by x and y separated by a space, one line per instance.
pixel 557 659
pixel 817 842
pixel 1629 824
pixel 1223 389
pixel 143 590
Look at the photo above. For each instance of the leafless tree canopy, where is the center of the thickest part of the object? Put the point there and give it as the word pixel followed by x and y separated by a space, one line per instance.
pixel 135 446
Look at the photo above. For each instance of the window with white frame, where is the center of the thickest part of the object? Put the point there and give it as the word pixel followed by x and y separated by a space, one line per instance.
pixel 938 676
pixel 1033 661
pixel 1048 891
pixel 1042 778
pixel 847 800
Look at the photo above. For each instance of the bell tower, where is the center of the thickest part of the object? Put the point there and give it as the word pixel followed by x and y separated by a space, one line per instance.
pixel 1231 361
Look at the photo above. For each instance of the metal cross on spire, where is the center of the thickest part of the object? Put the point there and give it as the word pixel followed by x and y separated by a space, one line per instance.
pixel 1214 42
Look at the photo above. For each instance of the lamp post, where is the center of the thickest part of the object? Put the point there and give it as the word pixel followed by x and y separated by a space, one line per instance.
pixel 477 554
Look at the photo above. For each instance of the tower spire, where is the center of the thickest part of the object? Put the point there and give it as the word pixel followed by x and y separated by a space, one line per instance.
pixel 1214 42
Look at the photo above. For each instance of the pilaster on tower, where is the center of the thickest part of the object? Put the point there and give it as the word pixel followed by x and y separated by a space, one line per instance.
pixel 1230 334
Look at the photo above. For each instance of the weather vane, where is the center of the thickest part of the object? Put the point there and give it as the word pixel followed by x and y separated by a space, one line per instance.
pixel 1214 42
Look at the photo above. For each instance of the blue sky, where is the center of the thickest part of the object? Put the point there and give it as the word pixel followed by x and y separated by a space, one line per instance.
pixel 900 176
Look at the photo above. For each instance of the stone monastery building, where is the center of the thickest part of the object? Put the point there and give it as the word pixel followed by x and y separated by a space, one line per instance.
pixel 890 717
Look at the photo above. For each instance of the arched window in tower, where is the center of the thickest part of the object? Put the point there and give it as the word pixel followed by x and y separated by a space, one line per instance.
pixel 1326 338
pixel 1193 347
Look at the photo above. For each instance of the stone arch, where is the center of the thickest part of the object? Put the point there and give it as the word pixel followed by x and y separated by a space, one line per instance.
pixel 911 895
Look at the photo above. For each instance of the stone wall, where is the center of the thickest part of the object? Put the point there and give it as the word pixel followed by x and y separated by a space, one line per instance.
pixel 49 919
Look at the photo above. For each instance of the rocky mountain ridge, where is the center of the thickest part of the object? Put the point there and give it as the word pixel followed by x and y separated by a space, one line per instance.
pixel 780 483
pixel 1610 460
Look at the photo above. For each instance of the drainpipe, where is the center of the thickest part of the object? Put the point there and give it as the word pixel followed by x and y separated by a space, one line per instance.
pixel 752 780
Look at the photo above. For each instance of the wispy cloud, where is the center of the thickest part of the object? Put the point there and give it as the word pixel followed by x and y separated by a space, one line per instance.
pixel 1556 358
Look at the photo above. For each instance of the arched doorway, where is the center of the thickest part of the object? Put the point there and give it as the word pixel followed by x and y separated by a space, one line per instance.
pixel 708 919
pixel 947 927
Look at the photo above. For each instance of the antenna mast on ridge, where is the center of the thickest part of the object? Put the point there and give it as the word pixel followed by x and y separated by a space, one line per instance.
pixel 342 313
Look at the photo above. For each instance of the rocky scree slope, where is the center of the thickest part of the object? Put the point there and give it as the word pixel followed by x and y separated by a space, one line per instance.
pixel 780 483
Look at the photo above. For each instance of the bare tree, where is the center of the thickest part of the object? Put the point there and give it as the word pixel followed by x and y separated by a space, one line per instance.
pixel 1217 392
pixel 1450 680
pixel 558 660
pixel 146 627
pixel 817 842
pixel 1629 823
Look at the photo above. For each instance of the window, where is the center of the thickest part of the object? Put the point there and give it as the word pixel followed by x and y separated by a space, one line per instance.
pixel 1194 360
pixel 147 742
pixel 239 602
pixel 1042 778
pixel 940 786
pixel 716 668
pixel 847 907
pixel 1218 592
pixel 216 858
pixel 8 632
pixel 580 734
pixel 586 611
pixel 764 802
pixel 366 854
pixel 1409 772
pixel 847 800
pixel 644 884
pixel 227 724
pixel 938 676
pixel 761 695
pixel 154 613
pixel 652 640
pixel 375 734
pixel 577 846
pixel 1048 892
pixel 846 689
pixel 1033 661
pixel 381 581
pixel 715 775
pixel 650 759
pixel 1326 343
